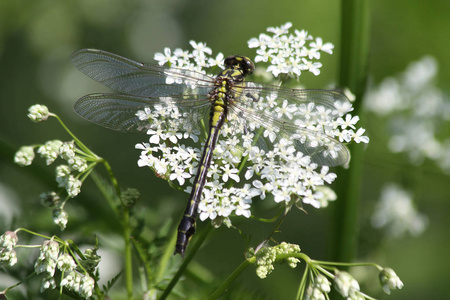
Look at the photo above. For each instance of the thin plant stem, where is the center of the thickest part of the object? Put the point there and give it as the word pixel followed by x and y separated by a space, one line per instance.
pixel 221 289
pixel 353 65
pixel 128 255
pixel 200 239
pixel 125 220
pixel 302 286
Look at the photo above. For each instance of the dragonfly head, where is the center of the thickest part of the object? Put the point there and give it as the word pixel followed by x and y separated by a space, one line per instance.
pixel 240 62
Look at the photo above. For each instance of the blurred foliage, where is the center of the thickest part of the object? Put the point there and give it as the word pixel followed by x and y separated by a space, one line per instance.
pixel 37 38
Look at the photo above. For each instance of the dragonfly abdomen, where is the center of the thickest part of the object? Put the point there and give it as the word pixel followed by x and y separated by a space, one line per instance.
pixel 187 225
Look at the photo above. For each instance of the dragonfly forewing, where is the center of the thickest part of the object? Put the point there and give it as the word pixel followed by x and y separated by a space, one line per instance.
pixel 134 78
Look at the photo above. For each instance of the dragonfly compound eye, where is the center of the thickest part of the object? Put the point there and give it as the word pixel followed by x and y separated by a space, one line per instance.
pixel 240 62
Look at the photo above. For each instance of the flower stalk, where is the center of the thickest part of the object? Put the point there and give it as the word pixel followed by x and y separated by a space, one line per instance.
pixel 353 65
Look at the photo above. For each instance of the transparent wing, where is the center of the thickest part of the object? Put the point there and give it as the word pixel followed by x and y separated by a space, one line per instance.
pixel 134 78
pixel 132 113
pixel 300 116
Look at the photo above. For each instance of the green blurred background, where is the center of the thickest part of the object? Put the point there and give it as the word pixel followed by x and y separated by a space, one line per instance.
pixel 37 38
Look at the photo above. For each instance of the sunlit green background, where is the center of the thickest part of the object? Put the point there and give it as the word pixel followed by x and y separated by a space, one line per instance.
pixel 37 38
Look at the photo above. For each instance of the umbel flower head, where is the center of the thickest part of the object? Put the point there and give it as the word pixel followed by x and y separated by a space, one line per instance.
pixel 259 148
pixel 417 112
pixel 289 53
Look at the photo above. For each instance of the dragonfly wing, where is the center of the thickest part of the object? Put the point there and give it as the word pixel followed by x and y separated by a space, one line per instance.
pixel 277 94
pixel 132 113
pixel 134 78
pixel 297 116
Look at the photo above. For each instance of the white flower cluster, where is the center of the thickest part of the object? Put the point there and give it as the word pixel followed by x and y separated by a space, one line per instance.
pixel 60 218
pixel 274 138
pixel 417 112
pixel 281 170
pixel 50 150
pixel 64 173
pixel 79 283
pixel 7 253
pixel 347 286
pixel 389 280
pixel 289 53
pixel 197 60
pixel 396 213
pixel 38 113
pixel 266 257
pixel 67 175
pixel 49 259
pixel 24 156
pixel 319 288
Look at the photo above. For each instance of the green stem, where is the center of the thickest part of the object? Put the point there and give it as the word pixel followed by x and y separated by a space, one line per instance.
pixel 17 284
pixel 125 224
pixel 353 64
pixel 200 239
pixel 128 256
pixel 164 261
pixel 302 286
pixel 111 176
pixel 221 289
pixel 79 143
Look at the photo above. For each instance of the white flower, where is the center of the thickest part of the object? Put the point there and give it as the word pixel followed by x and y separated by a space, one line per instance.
pixel 389 280
pixel 8 257
pixel 8 240
pixel 229 172
pixel 50 150
pixel 48 282
pixel 73 186
pixel 358 136
pixel 24 156
pixel 46 262
pixel 180 175
pixel 62 174
pixel 322 283
pixel 319 45
pixel 242 208
pixel 217 61
pixel 346 285
pixel 49 249
pixel 283 29
pixel 167 57
pixel 66 263
pixel 67 150
pixel 78 164
pixel 348 122
pixel 200 48
pixel 396 213
pixel 60 218
pixel 75 282
pixel 314 293
pixel 287 53
pixel 87 286
pixel 313 67
pixel 207 211
pixel 416 111
pixel 38 113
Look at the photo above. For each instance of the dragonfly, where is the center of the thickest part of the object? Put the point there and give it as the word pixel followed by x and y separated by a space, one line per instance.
pixel 278 112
